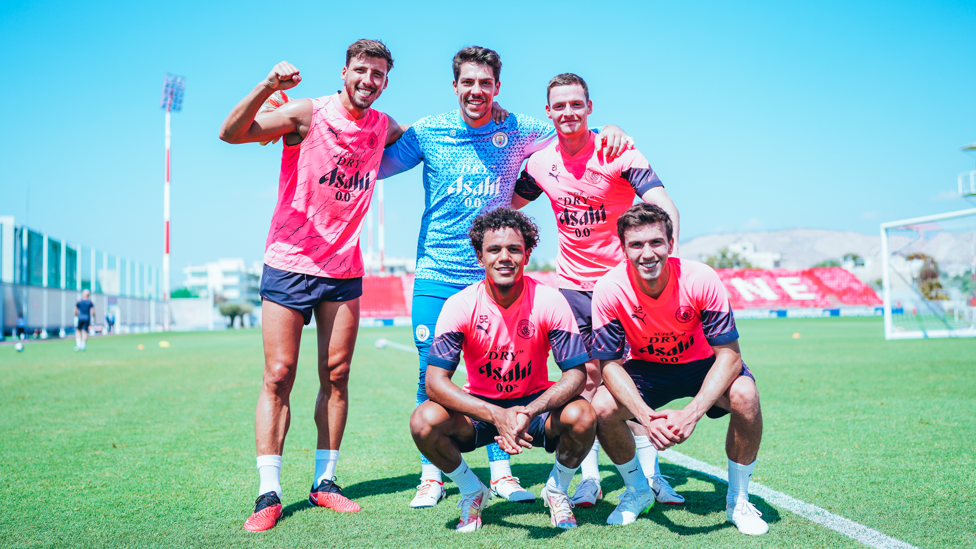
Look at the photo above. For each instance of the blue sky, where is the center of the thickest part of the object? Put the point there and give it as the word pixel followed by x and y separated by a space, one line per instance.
pixel 773 115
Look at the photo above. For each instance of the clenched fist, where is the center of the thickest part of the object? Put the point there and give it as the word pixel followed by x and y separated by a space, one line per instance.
pixel 284 76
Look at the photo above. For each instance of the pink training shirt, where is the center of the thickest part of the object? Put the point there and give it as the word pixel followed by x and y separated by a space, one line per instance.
pixel 506 350
pixel 324 190
pixel 588 194
pixel 690 316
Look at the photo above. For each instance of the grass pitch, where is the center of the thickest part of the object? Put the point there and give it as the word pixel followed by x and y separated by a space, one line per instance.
pixel 120 447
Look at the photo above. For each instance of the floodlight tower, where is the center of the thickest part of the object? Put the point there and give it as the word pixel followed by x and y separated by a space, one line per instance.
pixel 172 100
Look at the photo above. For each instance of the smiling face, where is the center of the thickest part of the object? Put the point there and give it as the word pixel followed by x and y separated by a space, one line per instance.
pixel 365 79
pixel 568 109
pixel 503 255
pixel 476 89
pixel 647 248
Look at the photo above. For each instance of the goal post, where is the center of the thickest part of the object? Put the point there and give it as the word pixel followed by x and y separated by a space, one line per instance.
pixel 929 276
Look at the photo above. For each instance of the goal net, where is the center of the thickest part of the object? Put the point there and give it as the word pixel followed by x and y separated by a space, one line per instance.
pixel 929 280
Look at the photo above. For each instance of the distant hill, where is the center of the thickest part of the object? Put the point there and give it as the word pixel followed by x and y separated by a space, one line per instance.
pixel 804 248
pixel 799 248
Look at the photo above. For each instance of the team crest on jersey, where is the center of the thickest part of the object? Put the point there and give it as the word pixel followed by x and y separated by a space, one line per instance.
pixel 593 176
pixel 685 314
pixel 499 140
pixel 371 141
pixel 525 328
pixel 423 332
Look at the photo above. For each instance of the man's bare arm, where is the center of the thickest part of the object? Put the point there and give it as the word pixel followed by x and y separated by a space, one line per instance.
pixel 659 197
pixel 443 391
pixel 727 367
pixel 570 385
pixel 622 387
pixel 245 125
pixel 393 131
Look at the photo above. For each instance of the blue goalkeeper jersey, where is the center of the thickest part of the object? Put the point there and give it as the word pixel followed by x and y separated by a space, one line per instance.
pixel 467 171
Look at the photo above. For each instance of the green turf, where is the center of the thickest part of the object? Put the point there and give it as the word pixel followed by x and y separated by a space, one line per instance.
pixel 118 447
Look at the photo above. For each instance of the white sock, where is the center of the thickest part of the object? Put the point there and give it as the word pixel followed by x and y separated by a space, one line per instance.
pixel 500 468
pixel 78 341
pixel 633 475
pixel 429 471
pixel 591 463
pixel 325 465
pixel 739 476
pixel 83 344
pixel 269 467
pixel 466 480
pixel 560 477
pixel 648 455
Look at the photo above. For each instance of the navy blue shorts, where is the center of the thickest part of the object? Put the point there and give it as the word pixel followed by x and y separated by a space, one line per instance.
pixel 581 303
pixel 659 384
pixel 485 433
pixel 303 292
pixel 83 325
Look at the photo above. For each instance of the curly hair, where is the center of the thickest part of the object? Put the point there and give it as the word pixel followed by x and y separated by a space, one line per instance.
pixel 500 219
pixel 643 214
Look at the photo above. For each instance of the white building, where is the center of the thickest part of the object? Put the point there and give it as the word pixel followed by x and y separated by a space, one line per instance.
pixel 760 260
pixel 231 279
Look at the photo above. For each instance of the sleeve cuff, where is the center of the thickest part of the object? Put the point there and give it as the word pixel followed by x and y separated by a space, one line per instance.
pixel 648 186
pixel 577 360
pixel 722 339
pixel 607 355
pixel 441 363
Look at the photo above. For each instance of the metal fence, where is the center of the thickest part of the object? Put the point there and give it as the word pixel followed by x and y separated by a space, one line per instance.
pixel 49 312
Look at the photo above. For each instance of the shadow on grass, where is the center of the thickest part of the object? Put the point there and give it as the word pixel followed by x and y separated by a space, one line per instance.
pixel 533 476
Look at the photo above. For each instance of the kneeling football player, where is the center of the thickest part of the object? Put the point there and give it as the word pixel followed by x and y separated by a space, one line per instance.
pixel 505 326
pixel 676 317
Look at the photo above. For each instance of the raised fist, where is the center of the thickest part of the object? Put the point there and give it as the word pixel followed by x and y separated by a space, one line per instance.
pixel 284 76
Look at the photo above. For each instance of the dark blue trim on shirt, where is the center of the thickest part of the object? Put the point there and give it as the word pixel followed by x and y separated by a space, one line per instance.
pixel 609 341
pixel 641 179
pixel 568 349
pixel 445 351
pixel 526 187
pixel 719 327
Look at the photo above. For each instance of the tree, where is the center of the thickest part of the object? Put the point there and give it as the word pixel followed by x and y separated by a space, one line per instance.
pixel 183 293
pixel 234 310
pixel 535 266
pixel 828 263
pixel 725 259
pixel 854 258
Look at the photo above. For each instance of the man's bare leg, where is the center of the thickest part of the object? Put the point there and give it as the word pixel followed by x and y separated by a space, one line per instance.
pixel 742 447
pixel 281 330
pixel 589 491
pixel 338 325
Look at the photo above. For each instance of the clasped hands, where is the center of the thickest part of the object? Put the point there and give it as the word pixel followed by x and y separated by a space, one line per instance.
pixel 513 426
pixel 665 428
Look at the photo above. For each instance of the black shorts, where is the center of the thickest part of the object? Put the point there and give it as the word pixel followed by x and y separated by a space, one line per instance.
pixel 303 292
pixel 83 325
pixel 659 384
pixel 485 433
pixel 581 303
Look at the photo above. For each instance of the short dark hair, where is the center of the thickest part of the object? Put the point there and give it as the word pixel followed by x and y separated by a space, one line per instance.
pixel 643 214
pixel 500 219
pixel 370 48
pixel 567 79
pixel 479 55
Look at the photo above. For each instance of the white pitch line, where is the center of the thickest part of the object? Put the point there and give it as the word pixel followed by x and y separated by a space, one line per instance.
pixel 837 523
